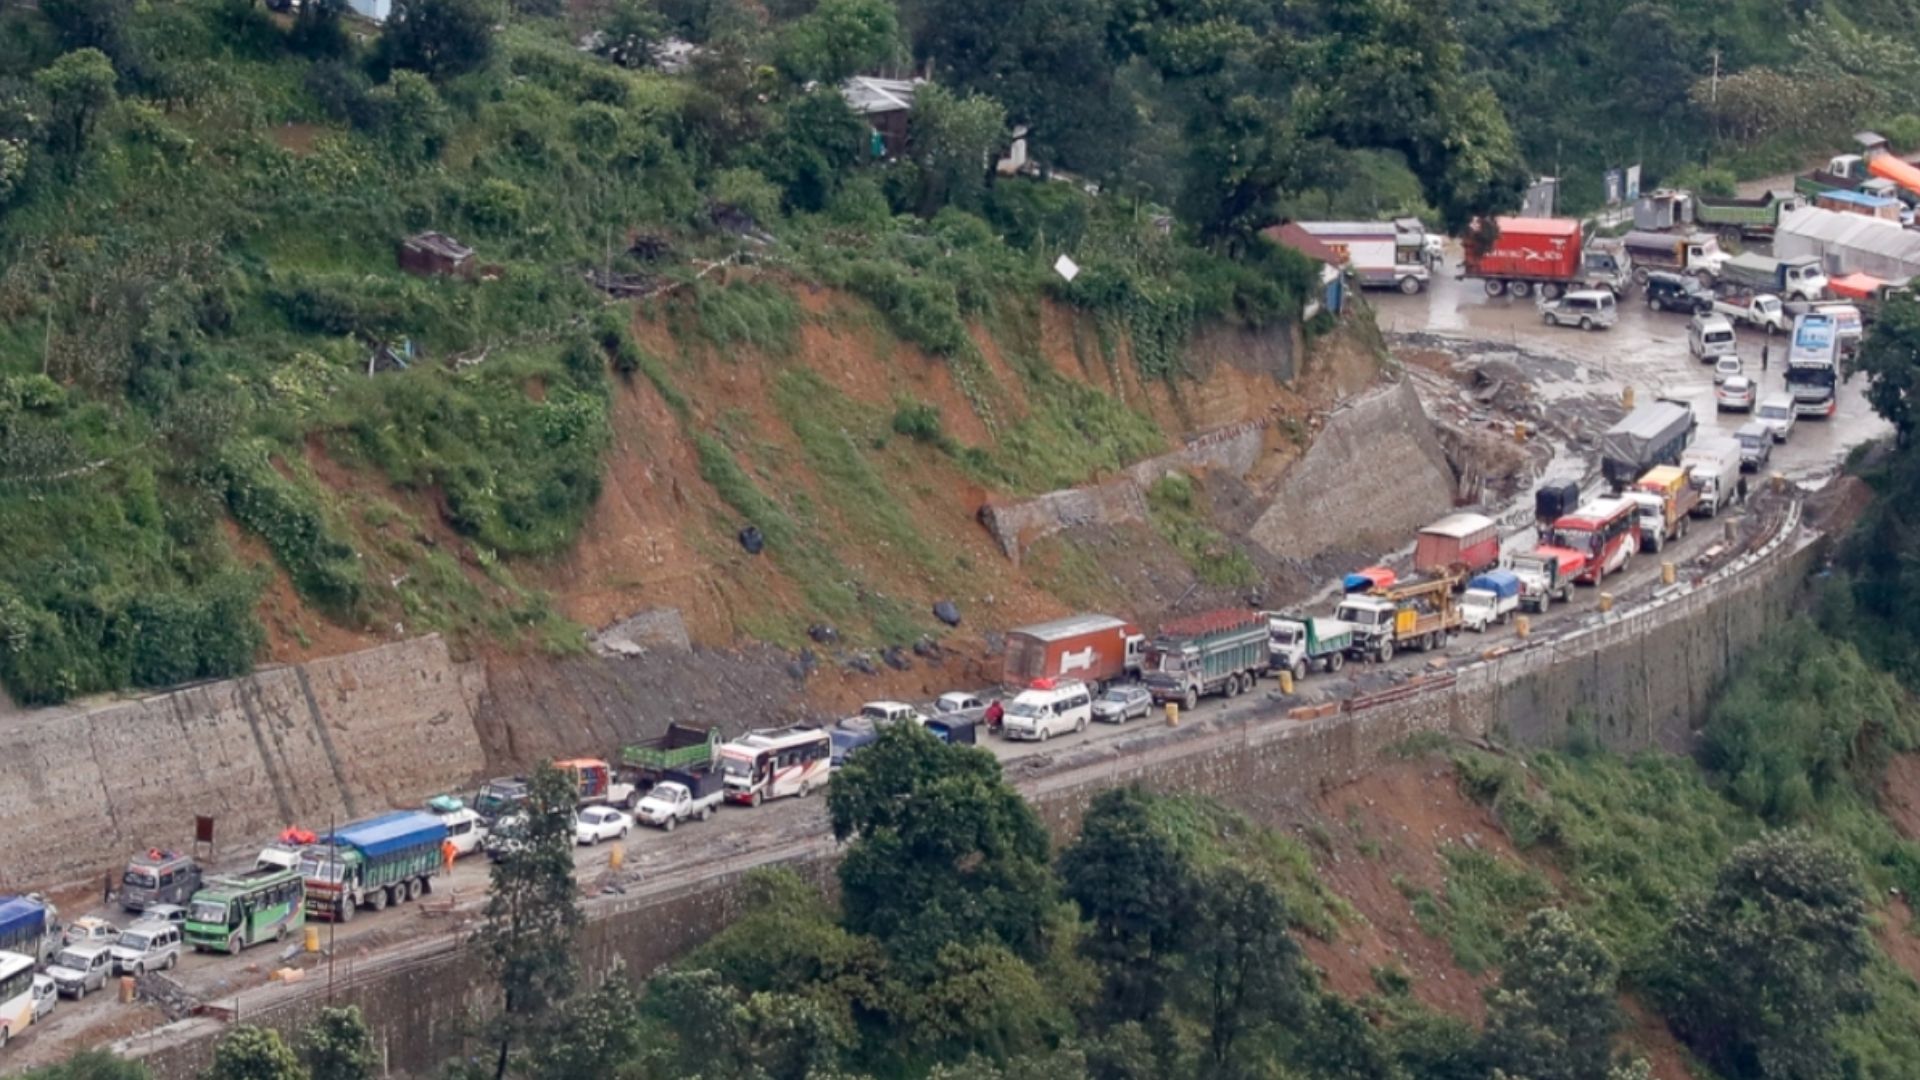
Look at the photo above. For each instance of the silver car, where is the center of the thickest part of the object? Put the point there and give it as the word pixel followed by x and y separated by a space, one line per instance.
pixel 79 968
pixel 1777 413
pixel 1588 309
pixel 146 946
pixel 1122 703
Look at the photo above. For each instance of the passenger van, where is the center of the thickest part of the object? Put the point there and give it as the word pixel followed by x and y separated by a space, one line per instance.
pixel 1050 707
pixel 1710 337
pixel 158 877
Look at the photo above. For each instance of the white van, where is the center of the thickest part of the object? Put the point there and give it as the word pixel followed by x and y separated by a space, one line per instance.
pixel 1052 707
pixel 1710 336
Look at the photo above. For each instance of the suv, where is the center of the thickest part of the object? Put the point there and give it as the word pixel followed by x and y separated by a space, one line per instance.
pixel 1777 413
pixel 1756 445
pixel 1588 309
pixel 1677 292
pixel 146 946
pixel 77 969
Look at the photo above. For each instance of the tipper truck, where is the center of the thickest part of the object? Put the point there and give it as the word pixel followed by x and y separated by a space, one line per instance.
pixel 1096 649
pixel 684 746
pixel 1656 433
pixel 385 860
pixel 1221 652
pixel 1298 642
pixel 1698 254
pixel 1525 254
pixel 1666 497
pixel 1792 279
pixel 30 926
pixel 1420 615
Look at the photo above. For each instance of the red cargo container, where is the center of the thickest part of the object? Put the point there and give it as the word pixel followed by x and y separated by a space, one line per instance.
pixel 1093 648
pixel 1533 250
pixel 1462 544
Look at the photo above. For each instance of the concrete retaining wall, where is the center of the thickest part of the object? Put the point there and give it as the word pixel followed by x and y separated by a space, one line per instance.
pixel 1642 677
pixel 303 744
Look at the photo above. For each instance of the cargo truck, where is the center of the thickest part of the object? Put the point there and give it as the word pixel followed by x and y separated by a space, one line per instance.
pixel 1525 254
pixel 1096 649
pixel 1458 545
pixel 1656 433
pixel 1490 598
pixel 1420 615
pixel 682 796
pixel 1380 254
pixel 1220 652
pixel 1713 470
pixel 1746 275
pixel 1744 219
pixel 1298 642
pixel 385 860
pixel 1698 254
pixel 684 746
pixel 1666 497
pixel 1546 574
pixel 30 926
pixel 595 783
pixel 1762 310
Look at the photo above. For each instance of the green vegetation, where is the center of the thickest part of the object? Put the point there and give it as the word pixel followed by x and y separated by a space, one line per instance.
pixel 1178 509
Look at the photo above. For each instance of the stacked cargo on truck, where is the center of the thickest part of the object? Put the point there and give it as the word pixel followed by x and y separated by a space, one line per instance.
pixel 384 860
pixel 1380 254
pixel 1525 254
pixel 1605 531
pixel 1094 648
pixel 1458 546
pixel 1813 365
pixel 1417 615
pixel 1220 652
pixel 1656 433
pixel 1489 598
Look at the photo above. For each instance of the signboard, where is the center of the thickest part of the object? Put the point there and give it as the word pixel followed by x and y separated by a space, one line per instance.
pixel 1541 198
pixel 1066 268
pixel 1633 182
pixel 1616 181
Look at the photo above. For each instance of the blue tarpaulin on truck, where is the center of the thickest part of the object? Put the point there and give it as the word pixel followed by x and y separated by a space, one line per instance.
pixel 20 915
pixel 390 832
pixel 1501 583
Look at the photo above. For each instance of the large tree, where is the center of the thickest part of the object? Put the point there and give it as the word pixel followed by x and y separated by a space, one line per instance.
pixel 439 38
pixel 1759 971
pixel 1244 969
pixel 838 39
pixel 1137 891
pixel 1890 358
pixel 533 913
pixel 253 1053
pixel 943 850
pixel 338 1045
pixel 1553 1015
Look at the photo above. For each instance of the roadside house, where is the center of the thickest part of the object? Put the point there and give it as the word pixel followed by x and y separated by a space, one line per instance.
pixel 1332 283
pixel 435 254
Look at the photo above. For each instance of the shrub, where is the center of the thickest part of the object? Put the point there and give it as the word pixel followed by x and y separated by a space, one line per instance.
pixel 497 204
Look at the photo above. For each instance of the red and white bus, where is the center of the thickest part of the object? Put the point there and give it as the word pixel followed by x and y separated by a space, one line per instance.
pixel 1603 530
pixel 776 762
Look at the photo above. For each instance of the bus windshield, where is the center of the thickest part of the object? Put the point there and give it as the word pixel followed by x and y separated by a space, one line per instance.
pixel 208 911
pixel 736 766
pixel 1577 539
pixel 142 879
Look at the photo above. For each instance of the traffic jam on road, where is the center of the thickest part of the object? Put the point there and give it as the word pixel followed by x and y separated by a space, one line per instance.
pixel 1657 473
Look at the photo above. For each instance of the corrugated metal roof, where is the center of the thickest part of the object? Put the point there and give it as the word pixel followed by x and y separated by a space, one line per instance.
pixel 1459 526
pixel 1071 626
pixel 1295 236
pixel 867 95
pixel 1212 622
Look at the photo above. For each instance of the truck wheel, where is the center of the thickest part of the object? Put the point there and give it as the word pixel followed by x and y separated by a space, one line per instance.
pixel 379 902
pixel 1299 671
pixel 1552 290
pixel 671 822
pixel 1640 276
pixel 413 890
pixel 706 812
pixel 1521 289
pixel 1386 651
pixel 1192 700
pixel 1336 661
pixel 1495 287
pixel 345 911
pixel 1409 286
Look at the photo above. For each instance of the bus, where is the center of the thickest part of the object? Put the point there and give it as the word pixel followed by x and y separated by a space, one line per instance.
pixel 1605 531
pixel 30 925
pixel 234 912
pixel 16 995
pixel 776 762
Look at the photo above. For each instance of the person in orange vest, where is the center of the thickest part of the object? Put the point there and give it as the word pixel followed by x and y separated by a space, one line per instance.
pixel 449 853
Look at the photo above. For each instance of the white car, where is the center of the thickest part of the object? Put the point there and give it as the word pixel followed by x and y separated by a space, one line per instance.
pixel 1727 367
pixel 77 969
pixel 1777 413
pixel 599 823
pixel 90 930
pixel 172 914
pixel 146 947
pixel 1734 395
pixel 884 713
pixel 45 997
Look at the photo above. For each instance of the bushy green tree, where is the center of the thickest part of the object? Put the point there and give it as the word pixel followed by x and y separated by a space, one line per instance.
pixel 1889 357
pixel 1138 892
pixel 1553 1015
pixel 339 1046
pixel 533 913
pixel 440 39
pixel 722 1033
pixel 840 38
pixel 953 138
pixel 1243 967
pixel 90 1065
pixel 252 1053
pixel 593 1034
pixel 79 88
pixel 942 850
pixel 1757 973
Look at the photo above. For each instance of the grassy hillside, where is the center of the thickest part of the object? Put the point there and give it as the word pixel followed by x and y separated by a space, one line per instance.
pixel 198 233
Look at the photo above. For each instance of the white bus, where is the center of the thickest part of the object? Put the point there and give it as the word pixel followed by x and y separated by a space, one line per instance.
pixel 775 763
pixel 16 995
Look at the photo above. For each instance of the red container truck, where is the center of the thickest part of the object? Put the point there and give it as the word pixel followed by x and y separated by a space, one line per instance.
pixel 1528 253
pixel 1458 545
pixel 1095 649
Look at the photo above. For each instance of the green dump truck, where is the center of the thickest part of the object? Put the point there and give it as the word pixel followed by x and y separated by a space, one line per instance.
pixel 684 748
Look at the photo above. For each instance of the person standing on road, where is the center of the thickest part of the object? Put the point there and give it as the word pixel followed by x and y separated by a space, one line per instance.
pixel 448 852
pixel 1765 350
pixel 106 890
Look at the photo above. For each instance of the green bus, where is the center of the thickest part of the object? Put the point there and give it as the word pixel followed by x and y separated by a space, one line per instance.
pixel 234 911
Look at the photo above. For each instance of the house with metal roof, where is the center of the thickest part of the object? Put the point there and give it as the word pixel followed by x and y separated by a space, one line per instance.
pixel 886 104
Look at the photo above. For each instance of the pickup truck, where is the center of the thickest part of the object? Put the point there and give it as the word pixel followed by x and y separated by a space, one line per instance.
pixel 1490 598
pixel 1297 642
pixel 888 713
pixel 1546 574
pixel 1763 310
pixel 680 797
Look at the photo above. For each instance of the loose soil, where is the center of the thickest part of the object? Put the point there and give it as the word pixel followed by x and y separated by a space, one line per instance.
pixel 1900 794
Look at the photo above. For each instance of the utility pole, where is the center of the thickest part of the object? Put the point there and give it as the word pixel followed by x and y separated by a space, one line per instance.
pixel 1713 86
